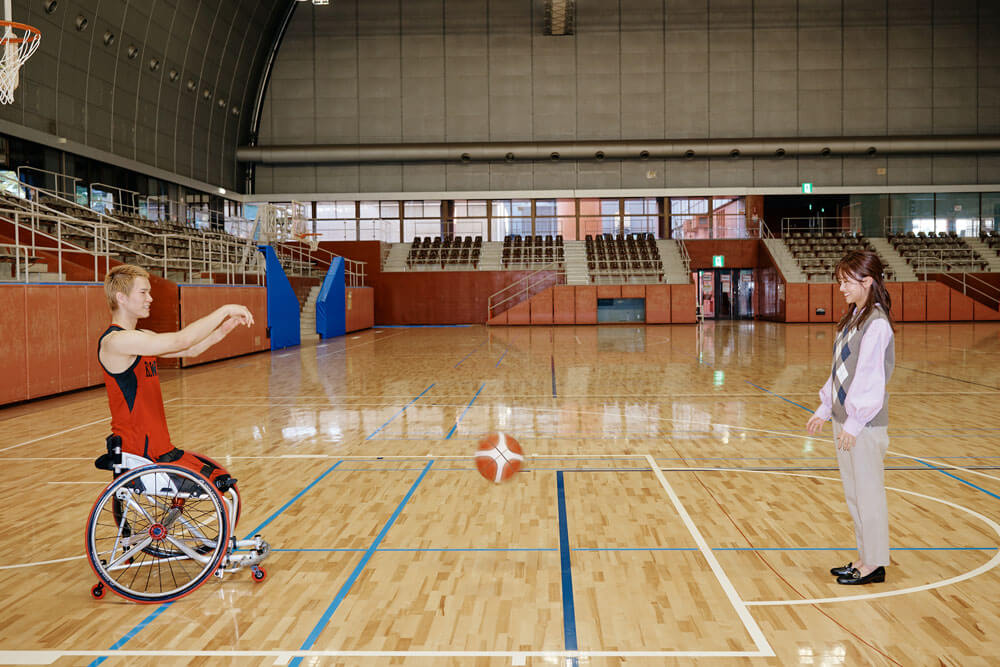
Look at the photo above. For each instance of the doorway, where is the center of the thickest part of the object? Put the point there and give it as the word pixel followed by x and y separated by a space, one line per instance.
pixel 725 294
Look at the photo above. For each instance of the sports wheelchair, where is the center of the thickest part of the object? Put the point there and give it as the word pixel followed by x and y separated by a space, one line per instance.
pixel 160 529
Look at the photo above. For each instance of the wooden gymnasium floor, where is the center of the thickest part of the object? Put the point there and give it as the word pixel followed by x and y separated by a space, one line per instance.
pixel 673 509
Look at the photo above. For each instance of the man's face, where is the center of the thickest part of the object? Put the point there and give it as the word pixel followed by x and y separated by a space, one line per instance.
pixel 137 301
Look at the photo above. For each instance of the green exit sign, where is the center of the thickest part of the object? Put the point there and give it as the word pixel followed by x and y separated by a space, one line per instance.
pixel 807 188
pixel 718 260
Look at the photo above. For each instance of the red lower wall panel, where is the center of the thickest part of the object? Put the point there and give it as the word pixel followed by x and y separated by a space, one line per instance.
pixel 359 308
pixel 984 313
pixel 839 304
pixel 895 291
pixel 14 360
pixel 586 304
pixel 609 291
pixel 938 302
pixel 796 302
pixel 563 304
pixel 541 307
pixel 73 337
pixel 499 319
pixel 682 304
pixel 42 327
pixel 633 291
pixel 820 298
pixel 520 314
pixel 914 301
pixel 196 301
pixel 658 304
pixel 960 307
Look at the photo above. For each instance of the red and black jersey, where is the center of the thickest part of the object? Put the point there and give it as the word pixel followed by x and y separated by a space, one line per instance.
pixel 137 406
pixel 138 418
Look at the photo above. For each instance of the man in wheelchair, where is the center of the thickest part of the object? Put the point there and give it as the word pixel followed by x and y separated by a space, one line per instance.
pixel 165 505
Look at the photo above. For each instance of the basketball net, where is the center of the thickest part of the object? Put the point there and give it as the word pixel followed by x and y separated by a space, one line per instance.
pixel 19 42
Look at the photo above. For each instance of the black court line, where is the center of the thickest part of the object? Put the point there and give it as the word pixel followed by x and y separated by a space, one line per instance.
pixel 948 377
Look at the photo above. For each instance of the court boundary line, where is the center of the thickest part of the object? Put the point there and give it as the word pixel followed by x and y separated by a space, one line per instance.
pixel 46 656
pixel 749 623
pixel 65 431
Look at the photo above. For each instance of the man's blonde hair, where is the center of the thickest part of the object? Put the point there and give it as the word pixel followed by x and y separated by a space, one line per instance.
pixel 120 279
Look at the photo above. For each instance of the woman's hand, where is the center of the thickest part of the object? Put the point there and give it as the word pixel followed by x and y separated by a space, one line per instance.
pixel 846 441
pixel 814 424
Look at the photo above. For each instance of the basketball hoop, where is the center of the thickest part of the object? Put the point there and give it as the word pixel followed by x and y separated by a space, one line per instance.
pixel 310 239
pixel 19 42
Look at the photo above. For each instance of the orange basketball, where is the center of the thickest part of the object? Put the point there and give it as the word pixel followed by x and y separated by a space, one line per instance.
pixel 499 457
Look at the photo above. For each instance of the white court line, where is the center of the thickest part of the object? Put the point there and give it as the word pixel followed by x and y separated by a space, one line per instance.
pixel 738 604
pixel 52 435
pixel 41 562
pixel 945 465
pixel 68 430
pixel 47 657
pixel 104 483
pixel 985 567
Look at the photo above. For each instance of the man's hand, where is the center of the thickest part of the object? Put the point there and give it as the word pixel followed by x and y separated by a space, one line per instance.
pixel 240 312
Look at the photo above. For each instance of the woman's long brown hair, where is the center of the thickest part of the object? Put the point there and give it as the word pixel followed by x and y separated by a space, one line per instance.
pixel 857 265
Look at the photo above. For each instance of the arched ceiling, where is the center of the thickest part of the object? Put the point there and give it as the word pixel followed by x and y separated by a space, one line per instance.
pixel 170 84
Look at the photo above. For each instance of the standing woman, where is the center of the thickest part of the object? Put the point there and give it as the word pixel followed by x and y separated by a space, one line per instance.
pixel 855 396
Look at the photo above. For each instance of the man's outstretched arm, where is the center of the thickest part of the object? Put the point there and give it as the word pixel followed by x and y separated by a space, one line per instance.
pixel 148 343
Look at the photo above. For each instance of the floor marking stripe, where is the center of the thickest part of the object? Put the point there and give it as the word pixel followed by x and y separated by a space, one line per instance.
pixel 346 587
pixel 52 435
pixel 738 604
pixel 455 426
pixel 566 566
pixel 414 400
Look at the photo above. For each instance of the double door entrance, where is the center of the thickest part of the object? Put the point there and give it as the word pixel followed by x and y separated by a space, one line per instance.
pixel 725 294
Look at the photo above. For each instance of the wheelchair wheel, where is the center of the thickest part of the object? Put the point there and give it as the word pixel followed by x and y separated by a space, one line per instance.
pixel 157 533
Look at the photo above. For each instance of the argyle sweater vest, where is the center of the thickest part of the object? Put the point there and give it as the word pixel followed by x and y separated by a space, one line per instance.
pixel 845 363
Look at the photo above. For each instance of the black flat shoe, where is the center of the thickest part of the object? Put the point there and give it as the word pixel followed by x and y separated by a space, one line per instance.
pixel 842 571
pixel 876 576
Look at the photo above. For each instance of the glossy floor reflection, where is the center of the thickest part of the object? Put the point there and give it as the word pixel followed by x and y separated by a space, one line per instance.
pixel 672 507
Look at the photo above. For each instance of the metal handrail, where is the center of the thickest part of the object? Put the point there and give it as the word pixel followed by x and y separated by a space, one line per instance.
pixel 133 207
pixel 963 278
pixel 822 224
pixel 893 224
pixel 685 257
pixel 225 247
pixel 57 175
pixel 59 248
pixel 354 271
pixel 524 285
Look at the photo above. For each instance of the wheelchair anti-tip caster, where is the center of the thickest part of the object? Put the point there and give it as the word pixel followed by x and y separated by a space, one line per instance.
pixel 258 573
pixel 97 591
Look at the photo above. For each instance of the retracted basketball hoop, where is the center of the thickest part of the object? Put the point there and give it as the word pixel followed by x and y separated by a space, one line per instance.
pixel 19 42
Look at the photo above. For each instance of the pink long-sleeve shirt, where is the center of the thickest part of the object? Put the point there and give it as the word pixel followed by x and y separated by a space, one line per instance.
pixel 867 392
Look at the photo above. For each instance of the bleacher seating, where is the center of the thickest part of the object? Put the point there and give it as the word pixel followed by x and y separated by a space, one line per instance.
pixel 991 239
pixel 817 253
pixel 531 251
pixel 937 252
pixel 455 252
pixel 136 239
pixel 625 257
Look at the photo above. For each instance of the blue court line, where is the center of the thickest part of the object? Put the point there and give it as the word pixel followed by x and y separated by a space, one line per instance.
pixel 779 396
pixel 979 488
pixel 470 354
pixel 553 360
pixel 163 607
pixel 342 593
pixel 554 549
pixel 569 609
pixel 963 481
pixel 455 426
pixel 412 401
pixel 501 357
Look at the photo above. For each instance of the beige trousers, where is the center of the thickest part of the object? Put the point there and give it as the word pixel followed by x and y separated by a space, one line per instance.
pixel 861 471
